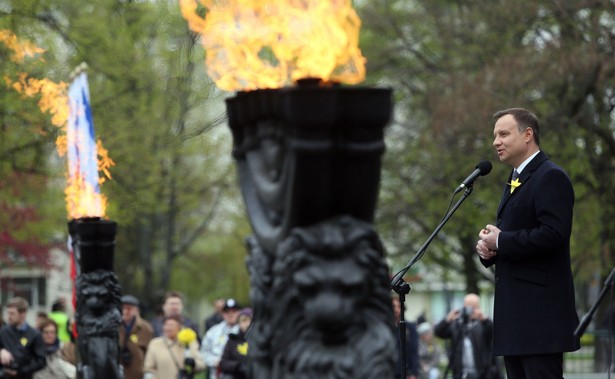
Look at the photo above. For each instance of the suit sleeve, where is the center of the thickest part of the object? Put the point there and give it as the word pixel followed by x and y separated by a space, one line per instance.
pixel 549 215
pixel 37 357
pixel 443 329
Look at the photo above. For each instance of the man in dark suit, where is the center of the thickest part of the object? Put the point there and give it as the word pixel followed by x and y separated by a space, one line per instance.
pixel 534 311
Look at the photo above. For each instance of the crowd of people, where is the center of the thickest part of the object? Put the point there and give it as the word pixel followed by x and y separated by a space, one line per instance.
pixel 170 346
pixel 467 334
pixel 528 245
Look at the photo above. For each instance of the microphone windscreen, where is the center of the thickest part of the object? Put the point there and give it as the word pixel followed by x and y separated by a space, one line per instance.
pixel 484 167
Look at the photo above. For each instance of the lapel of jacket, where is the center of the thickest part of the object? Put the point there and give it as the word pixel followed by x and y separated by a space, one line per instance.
pixel 523 178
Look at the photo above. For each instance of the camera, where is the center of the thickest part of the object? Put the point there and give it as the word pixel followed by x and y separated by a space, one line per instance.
pixel 125 356
pixel 466 313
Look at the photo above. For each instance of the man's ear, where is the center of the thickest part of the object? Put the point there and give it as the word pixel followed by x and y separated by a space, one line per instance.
pixel 528 134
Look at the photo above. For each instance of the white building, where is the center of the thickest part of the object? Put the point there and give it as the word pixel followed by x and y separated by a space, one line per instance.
pixel 41 287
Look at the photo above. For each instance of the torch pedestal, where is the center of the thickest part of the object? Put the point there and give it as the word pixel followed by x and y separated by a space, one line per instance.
pixel 98 312
pixel 308 159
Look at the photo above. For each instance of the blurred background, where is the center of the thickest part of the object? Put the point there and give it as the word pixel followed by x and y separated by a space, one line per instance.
pixel 173 189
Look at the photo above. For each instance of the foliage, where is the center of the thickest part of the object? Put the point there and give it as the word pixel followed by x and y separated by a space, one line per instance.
pixel 151 106
pixel 27 214
pixel 452 65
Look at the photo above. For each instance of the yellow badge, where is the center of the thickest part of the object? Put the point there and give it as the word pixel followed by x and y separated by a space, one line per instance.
pixel 134 338
pixel 243 348
pixel 23 341
pixel 514 184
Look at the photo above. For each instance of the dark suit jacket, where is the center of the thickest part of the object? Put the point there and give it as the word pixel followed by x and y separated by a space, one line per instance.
pixel 534 310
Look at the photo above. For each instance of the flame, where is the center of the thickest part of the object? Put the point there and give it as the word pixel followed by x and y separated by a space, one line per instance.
pixel 253 44
pixel 21 49
pixel 81 199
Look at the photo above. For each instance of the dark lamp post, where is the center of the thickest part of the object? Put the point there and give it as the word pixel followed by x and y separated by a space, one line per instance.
pixel 98 311
pixel 308 160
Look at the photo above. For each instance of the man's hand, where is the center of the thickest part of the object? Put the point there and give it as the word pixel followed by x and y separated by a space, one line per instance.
pixel 6 357
pixel 486 247
pixel 9 372
pixel 453 315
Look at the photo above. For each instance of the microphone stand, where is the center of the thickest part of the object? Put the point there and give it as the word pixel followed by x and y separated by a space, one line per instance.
pixel 609 282
pixel 402 288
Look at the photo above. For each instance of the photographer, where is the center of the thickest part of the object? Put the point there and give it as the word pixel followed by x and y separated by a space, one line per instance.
pixel 22 350
pixel 134 337
pixel 471 334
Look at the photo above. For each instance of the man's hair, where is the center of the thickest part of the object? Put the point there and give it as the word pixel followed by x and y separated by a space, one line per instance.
pixel 174 294
pixel 525 119
pixel 18 302
pixel 58 306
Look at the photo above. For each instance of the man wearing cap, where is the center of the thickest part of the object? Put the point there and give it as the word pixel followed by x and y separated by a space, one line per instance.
pixel 216 337
pixel 135 335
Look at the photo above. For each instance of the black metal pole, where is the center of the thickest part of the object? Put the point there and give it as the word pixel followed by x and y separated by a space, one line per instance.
pixel 402 288
pixel 397 281
pixel 405 289
pixel 609 282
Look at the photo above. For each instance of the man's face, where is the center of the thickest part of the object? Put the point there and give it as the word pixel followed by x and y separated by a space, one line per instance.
pixel 14 317
pixel 219 305
pixel 230 316
pixel 129 312
pixel 510 144
pixel 173 306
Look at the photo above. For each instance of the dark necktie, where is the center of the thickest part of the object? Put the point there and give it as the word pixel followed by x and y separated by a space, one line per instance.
pixel 515 175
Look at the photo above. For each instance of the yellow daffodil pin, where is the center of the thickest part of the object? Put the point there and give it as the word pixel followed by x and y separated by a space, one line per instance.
pixel 514 184
pixel 23 341
pixel 243 348
pixel 134 338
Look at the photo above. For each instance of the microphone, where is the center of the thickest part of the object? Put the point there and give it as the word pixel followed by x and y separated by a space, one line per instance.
pixel 482 169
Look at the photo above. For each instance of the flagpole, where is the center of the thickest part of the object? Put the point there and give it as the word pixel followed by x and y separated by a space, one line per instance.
pixel 97 289
pixel 80 68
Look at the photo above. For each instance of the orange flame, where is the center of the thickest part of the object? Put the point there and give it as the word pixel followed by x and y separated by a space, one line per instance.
pixel 81 199
pixel 21 49
pixel 254 44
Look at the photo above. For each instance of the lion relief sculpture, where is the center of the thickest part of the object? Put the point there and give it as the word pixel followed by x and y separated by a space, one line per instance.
pixel 330 307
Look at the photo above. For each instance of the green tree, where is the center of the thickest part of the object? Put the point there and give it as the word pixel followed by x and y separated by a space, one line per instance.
pixel 452 65
pixel 27 216
pixel 152 106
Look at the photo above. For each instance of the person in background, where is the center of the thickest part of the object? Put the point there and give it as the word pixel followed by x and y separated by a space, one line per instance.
pixel 216 337
pixel 216 317
pixel 41 317
pixel 429 353
pixel 233 364
pixel 412 344
pixel 69 349
pixel 134 337
pixel 56 367
pixel 165 356
pixel 471 335
pixel 173 305
pixel 22 350
pixel 59 315
pixel 529 245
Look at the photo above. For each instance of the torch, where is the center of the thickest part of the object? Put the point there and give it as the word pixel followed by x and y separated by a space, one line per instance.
pixel 92 239
pixel 308 154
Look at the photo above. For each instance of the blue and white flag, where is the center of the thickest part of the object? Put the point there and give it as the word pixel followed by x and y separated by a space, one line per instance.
pixel 81 142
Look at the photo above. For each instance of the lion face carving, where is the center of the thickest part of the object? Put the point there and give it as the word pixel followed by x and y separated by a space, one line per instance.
pixel 330 304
